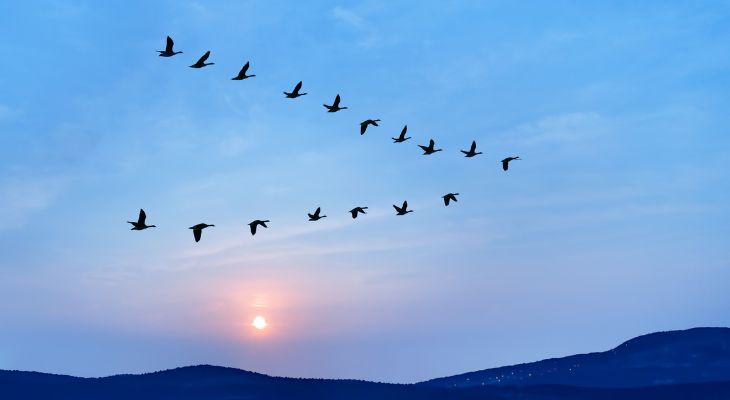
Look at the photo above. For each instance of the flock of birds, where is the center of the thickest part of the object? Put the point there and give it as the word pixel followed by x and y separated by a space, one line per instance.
pixel 141 222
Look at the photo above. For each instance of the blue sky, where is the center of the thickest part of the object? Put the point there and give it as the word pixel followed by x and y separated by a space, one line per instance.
pixel 615 223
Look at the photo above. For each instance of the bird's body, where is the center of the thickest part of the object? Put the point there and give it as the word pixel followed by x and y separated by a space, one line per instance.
pixel 198 230
pixel 364 124
pixel 402 210
pixel 505 162
pixel 168 52
pixel 242 74
pixel 202 61
pixel 257 222
pixel 472 151
pixel 427 150
pixel 402 138
pixel 356 210
pixel 335 105
pixel 140 224
pixel 295 93
pixel 448 197
pixel 316 216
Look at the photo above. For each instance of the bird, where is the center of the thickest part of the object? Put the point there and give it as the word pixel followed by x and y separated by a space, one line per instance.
pixel 335 105
pixel 295 93
pixel 201 62
pixel 402 138
pixel 168 52
pixel 242 74
pixel 449 197
pixel 357 210
pixel 140 224
pixel 364 124
pixel 505 162
pixel 253 224
pixel 316 216
pixel 402 210
pixel 472 151
pixel 198 230
pixel 429 149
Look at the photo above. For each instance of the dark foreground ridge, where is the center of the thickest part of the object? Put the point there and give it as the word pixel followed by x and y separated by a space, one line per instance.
pixel 691 364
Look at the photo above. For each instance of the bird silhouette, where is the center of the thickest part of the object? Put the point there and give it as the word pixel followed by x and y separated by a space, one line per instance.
pixel 357 210
pixel 295 93
pixel 429 149
pixel 402 138
pixel 472 151
pixel 198 230
pixel 364 124
pixel 335 105
pixel 168 52
pixel 201 62
pixel 449 197
pixel 253 224
pixel 316 216
pixel 402 210
pixel 505 162
pixel 140 224
pixel 242 74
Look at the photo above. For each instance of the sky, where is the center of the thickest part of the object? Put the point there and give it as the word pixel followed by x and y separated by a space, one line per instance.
pixel 615 223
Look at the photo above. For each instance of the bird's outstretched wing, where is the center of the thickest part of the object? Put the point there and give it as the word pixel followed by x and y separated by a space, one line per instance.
pixel 337 101
pixel 196 233
pixel 405 205
pixel 473 146
pixel 505 164
pixel 446 200
pixel 363 127
pixel 317 211
pixel 142 217
pixel 431 143
pixel 297 87
pixel 396 208
pixel 170 43
pixel 204 57
pixel 253 228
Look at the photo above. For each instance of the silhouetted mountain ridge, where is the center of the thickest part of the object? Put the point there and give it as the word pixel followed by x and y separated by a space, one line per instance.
pixel 698 360
pixel 688 356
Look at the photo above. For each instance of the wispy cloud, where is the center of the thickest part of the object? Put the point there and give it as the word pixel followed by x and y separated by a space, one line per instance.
pixel 23 195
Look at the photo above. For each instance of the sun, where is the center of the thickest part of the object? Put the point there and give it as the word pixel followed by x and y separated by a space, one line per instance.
pixel 259 322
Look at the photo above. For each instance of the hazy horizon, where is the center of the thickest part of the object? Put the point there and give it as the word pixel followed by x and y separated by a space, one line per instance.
pixel 614 224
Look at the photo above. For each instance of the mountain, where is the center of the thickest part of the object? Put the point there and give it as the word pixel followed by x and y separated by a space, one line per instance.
pixel 689 356
pixel 691 364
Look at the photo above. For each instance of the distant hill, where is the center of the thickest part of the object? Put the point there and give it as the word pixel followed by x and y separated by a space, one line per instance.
pixel 689 356
pixel 691 364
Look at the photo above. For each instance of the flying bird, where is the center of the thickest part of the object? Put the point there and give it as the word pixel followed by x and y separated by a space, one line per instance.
pixel 253 224
pixel 201 62
pixel 316 216
pixel 140 224
pixel 364 124
pixel 472 151
pixel 449 197
pixel 505 162
pixel 402 210
pixel 335 105
pixel 242 74
pixel 295 93
pixel 168 52
pixel 198 230
pixel 402 138
pixel 429 149
pixel 357 210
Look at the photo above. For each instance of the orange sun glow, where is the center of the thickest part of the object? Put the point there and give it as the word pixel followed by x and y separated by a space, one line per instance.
pixel 259 322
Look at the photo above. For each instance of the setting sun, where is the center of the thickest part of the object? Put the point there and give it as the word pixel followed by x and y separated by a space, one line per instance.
pixel 259 322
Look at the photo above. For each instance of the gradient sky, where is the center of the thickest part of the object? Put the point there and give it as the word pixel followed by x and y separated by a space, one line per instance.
pixel 616 223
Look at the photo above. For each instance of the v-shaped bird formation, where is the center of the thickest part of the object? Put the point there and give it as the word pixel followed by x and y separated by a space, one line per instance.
pixel 429 149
